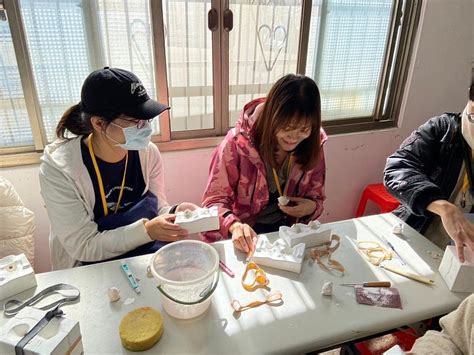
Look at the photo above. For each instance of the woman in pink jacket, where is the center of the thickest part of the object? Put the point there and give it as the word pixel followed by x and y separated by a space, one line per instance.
pixel 274 150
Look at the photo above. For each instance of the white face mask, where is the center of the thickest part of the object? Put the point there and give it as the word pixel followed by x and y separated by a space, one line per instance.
pixel 135 138
pixel 467 128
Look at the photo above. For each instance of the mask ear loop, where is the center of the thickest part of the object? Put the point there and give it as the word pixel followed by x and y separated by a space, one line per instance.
pixel 260 279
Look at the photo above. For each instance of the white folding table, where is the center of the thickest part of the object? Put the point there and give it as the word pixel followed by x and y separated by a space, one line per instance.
pixel 306 321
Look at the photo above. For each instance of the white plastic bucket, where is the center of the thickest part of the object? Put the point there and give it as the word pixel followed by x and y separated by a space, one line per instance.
pixel 187 274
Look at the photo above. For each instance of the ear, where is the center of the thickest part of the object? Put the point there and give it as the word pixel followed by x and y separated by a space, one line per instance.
pixel 98 123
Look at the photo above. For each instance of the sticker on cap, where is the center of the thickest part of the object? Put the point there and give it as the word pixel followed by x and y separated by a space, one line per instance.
pixel 137 85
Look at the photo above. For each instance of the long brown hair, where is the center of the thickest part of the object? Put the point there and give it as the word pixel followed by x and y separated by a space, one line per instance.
pixel 292 99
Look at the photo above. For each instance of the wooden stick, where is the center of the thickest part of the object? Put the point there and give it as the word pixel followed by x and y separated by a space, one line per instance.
pixel 409 275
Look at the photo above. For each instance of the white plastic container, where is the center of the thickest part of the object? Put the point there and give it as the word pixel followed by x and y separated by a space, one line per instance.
pixel 187 275
pixel 16 275
pixel 61 335
pixel 459 277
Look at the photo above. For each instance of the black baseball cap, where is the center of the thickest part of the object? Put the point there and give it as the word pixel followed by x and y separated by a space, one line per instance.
pixel 113 90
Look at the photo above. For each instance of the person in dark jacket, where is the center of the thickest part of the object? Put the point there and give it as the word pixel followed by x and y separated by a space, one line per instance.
pixel 432 176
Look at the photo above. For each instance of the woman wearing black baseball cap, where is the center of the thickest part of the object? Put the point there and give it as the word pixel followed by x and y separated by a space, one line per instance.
pixel 102 181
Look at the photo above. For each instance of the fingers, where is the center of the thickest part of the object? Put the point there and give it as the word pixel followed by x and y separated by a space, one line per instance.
pixel 461 232
pixel 243 237
pixel 162 227
pixel 166 235
pixel 249 237
pixel 470 243
pixel 238 245
pixel 176 228
pixel 178 233
pixel 168 217
pixel 469 235
pixel 460 250
pixel 295 211
pixel 304 207
pixel 295 199
pixel 183 206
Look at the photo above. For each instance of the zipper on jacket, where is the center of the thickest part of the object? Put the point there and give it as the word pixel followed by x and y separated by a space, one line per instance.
pixel 253 189
pixel 297 186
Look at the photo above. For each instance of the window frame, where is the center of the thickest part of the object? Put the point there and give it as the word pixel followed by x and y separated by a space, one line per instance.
pixel 388 100
pixel 390 83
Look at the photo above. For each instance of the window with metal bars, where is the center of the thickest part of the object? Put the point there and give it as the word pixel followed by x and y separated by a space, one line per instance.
pixel 206 59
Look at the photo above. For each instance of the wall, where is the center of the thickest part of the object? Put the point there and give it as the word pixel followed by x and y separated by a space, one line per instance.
pixel 437 82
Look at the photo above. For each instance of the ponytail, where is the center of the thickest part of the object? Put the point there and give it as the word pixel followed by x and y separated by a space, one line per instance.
pixel 75 121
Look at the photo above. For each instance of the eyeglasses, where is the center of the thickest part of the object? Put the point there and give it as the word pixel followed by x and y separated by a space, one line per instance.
pixel 138 123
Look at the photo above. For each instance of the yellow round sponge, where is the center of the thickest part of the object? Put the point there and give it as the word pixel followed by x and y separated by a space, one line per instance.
pixel 141 328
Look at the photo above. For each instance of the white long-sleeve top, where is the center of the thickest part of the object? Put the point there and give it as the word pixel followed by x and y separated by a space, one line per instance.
pixel 456 336
pixel 68 193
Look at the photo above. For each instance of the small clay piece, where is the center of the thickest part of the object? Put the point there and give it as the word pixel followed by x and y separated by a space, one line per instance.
pixel 397 229
pixel 326 290
pixel 283 200
pixel 314 224
pixel 295 228
pixel 114 294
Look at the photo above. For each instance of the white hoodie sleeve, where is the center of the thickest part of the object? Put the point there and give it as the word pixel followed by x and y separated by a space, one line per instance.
pixel 73 226
pixel 156 177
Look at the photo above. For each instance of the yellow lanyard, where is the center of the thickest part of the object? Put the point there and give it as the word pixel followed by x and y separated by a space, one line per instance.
pixel 99 179
pixel 277 181
pixel 465 185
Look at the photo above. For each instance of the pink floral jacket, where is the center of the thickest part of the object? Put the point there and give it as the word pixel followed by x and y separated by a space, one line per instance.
pixel 237 181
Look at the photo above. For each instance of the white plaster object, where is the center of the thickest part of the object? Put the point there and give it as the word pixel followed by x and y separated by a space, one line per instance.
pixel 199 220
pixel 397 229
pixel 458 276
pixel 16 275
pixel 395 350
pixel 283 200
pixel 326 290
pixel 114 294
pixel 278 254
pixel 60 336
pixel 311 235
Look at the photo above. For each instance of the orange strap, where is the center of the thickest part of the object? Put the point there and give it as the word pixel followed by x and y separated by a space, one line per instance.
pixel 273 299
pixel 325 251
pixel 260 279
